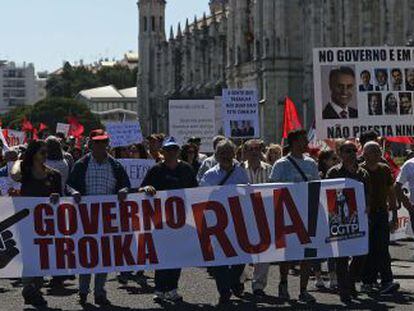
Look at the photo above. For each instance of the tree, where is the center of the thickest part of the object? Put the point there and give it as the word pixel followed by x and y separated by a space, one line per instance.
pixel 52 111
pixel 72 80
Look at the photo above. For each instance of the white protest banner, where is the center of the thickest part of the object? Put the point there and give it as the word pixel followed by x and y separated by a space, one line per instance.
pixel 363 88
pixel 63 128
pixel 123 134
pixel 211 226
pixel 188 118
pixel 240 112
pixel 404 227
pixel 15 138
pixel 7 184
pixel 136 169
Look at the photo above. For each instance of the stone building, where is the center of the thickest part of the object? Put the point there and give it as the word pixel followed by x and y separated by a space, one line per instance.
pixel 263 44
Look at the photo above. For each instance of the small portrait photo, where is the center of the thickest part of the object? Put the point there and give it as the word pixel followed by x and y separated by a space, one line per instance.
pixel 365 79
pixel 391 104
pixel 374 104
pixel 409 79
pixel 242 128
pixel 339 92
pixel 406 104
pixel 381 79
pixel 397 79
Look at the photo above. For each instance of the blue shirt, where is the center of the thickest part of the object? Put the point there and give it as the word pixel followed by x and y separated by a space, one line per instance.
pixel 4 171
pixel 284 171
pixel 215 175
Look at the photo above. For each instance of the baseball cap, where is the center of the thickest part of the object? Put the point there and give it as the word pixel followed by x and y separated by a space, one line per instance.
pixel 98 134
pixel 170 142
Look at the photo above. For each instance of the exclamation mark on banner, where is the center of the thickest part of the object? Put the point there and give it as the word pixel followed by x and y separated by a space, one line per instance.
pixel 314 189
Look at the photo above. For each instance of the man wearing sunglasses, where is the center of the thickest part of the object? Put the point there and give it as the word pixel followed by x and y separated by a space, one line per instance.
pixel 97 173
pixel 348 274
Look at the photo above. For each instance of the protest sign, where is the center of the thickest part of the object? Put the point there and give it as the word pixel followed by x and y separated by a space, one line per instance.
pixel 123 134
pixel 189 118
pixel 240 112
pixel 363 88
pixel 15 138
pixel 136 169
pixel 404 227
pixel 63 128
pixel 211 226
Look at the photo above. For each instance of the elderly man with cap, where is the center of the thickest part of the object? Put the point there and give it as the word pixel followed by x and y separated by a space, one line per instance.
pixel 169 174
pixel 97 173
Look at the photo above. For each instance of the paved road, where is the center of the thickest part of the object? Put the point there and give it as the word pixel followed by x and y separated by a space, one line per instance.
pixel 200 294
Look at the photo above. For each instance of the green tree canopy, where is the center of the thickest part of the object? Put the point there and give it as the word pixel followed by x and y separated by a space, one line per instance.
pixel 50 111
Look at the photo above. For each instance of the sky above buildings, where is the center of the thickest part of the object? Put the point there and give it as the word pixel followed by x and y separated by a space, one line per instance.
pixel 47 32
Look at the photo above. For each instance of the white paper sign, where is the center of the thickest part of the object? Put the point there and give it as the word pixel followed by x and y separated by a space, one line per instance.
pixel 63 128
pixel 196 118
pixel 240 111
pixel 123 134
pixel 136 169
pixel 364 88
pixel 15 138
pixel 210 226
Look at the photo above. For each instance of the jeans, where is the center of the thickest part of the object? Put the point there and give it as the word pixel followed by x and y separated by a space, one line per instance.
pixel 378 259
pixel 85 281
pixel 348 274
pixel 228 278
pixel 167 280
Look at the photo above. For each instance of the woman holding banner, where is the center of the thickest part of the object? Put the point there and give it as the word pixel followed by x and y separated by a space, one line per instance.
pixel 37 180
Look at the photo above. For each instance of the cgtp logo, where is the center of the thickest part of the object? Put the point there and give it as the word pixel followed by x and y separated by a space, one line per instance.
pixel 343 215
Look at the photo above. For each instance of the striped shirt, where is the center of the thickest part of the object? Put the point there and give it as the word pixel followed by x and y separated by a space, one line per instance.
pixel 260 175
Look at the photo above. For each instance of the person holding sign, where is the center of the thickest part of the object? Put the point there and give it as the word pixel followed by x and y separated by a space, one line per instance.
pixel 342 86
pixel 98 173
pixel 37 180
pixel 169 174
pixel 226 173
pixel 296 167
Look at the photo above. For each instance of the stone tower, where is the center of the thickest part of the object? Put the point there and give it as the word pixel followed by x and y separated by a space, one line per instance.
pixel 151 34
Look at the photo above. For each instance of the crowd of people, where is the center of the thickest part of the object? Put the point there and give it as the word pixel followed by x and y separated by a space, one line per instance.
pixel 56 167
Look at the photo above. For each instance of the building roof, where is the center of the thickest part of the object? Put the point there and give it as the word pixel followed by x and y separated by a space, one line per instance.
pixel 131 57
pixel 117 110
pixel 108 91
pixel 130 92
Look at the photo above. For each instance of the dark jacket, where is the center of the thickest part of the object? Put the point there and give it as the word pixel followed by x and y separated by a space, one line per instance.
pixel 330 113
pixel 77 177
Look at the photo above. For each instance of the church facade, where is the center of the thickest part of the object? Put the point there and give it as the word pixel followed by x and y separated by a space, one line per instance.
pixel 261 44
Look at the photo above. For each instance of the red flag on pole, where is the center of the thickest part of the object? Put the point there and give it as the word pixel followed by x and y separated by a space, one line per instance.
pixel 401 140
pixel 291 119
pixel 27 126
pixel 76 129
pixel 42 127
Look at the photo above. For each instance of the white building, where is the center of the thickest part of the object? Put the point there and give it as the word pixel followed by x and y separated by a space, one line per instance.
pixel 110 103
pixel 18 86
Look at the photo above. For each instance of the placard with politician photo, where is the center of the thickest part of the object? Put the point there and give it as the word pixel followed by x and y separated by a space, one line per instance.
pixel 358 89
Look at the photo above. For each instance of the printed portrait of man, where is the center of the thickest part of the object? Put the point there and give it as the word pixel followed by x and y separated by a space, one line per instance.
pixel 406 104
pixel 396 79
pixel 381 77
pixel 342 87
pixel 366 84
pixel 374 104
pixel 409 78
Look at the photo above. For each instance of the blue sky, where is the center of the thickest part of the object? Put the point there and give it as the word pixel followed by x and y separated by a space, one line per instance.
pixel 46 32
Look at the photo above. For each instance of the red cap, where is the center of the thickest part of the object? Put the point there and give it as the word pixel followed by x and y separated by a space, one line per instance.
pixel 98 135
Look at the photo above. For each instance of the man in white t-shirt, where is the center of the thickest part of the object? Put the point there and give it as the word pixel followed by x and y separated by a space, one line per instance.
pixel 406 176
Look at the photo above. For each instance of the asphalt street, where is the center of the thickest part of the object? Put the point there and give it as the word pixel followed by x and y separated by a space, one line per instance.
pixel 199 293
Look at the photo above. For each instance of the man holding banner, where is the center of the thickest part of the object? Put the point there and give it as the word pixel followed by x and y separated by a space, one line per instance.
pixel 97 174
pixel 296 167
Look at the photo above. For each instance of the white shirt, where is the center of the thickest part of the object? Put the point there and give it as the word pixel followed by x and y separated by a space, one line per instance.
pixel 406 176
pixel 259 176
pixel 338 109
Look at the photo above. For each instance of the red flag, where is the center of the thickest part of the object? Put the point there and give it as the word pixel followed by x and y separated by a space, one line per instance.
pixel 401 140
pixel 42 127
pixel 27 126
pixel 395 169
pixel 291 119
pixel 35 136
pixel 76 129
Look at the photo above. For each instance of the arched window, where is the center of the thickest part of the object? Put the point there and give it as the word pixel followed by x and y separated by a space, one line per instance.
pixel 153 23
